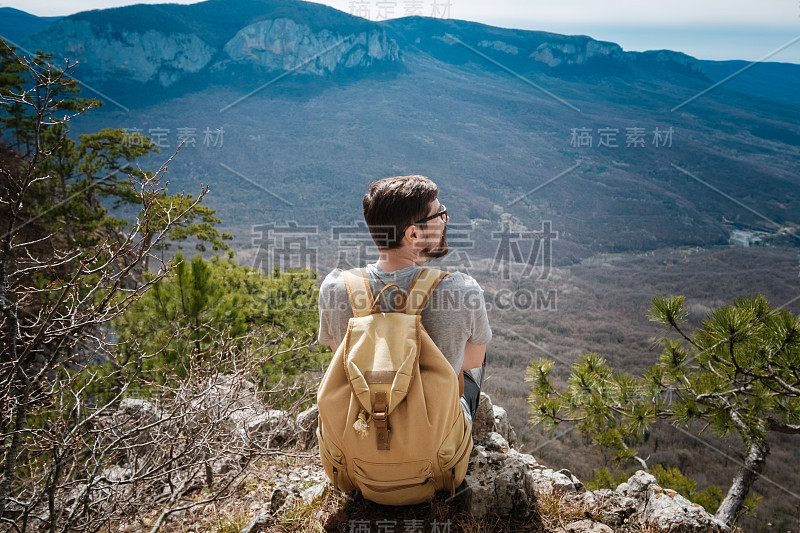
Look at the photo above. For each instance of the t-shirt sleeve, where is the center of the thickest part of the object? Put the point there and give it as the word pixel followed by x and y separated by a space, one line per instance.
pixel 480 331
pixel 334 310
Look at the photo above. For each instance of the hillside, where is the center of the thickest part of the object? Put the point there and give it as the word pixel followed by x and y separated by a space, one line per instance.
pixel 16 25
pixel 313 104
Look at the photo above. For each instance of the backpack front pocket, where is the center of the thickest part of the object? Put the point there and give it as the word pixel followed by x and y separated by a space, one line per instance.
pixel 395 483
pixel 333 461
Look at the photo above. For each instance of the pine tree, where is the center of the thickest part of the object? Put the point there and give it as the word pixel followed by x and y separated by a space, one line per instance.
pixel 17 122
pixel 56 300
pixel 739 373
pixel 180 316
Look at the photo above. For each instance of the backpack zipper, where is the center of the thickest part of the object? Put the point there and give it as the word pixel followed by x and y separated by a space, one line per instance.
pixel 453 470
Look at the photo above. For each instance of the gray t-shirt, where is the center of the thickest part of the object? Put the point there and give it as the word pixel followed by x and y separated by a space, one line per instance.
pixel 454 315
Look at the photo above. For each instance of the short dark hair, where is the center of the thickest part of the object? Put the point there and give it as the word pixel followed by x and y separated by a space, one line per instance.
pixel 393 204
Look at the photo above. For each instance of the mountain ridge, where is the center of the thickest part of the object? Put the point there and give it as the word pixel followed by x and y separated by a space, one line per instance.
pixel 205 29
pixel 16 24
pixel 208 28
pixel 492 113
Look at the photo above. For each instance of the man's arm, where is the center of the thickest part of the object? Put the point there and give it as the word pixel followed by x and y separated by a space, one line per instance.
pixel 473 356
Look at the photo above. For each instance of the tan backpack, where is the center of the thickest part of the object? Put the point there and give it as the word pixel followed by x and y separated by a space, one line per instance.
pixel 390 418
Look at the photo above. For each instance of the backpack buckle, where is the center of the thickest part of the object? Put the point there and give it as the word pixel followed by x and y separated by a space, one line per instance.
pixel 381 419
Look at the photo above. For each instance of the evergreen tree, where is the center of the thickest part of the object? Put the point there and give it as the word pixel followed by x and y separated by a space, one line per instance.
pixel 178 318
pixel 16 121
pixel 57 297
pixel 739 373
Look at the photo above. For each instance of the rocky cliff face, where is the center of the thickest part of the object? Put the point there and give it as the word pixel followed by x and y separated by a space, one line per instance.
pixel 576 53
pixel 165 58
pixel 283 44
pixel 143 57
pixel 111 49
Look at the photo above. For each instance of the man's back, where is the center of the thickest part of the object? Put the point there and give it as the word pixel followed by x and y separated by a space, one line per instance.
pixel 455 314
pixel 391 420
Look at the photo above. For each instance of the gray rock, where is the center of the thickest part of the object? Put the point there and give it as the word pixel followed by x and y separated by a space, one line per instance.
pixel 502 424
pixel 255 525
pixel 166 58
pixel 501 480
pixel 306 426
pixel 614 507
pixel 496 483
pixel 312 493
pixel 637 484
pixel 547 482
pixel 483 421
pixel 136 409
pixel 587 526
pixel 500 46
pixel 496 443
pixel 283 44
pixel 489 419
pixel 147 56
pixel 665 510
pixel 271 429
pixel 116 474
pixel 576 52
pixel 226 466
pixel 134 421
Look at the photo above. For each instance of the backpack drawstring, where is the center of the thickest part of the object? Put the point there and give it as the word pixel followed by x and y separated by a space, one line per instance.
pixel 361 424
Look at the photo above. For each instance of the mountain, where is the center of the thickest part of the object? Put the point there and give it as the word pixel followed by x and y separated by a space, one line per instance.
pixel 164 44
pixel 637 160
pixel 776 81
pixel 291 108
pixel 15 25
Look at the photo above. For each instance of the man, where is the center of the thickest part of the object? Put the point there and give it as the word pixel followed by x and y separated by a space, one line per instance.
pixel 408 224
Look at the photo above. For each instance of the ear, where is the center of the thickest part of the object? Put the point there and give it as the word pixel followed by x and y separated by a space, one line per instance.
pixel 411 233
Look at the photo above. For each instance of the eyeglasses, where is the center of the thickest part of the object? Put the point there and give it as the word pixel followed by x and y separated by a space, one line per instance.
pixel 442 213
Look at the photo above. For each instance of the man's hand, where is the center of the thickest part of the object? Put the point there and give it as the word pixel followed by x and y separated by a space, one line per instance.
pixel 473 356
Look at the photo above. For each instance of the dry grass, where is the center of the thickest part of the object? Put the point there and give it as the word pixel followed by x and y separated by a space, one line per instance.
pixel 241 504
pixel 342 514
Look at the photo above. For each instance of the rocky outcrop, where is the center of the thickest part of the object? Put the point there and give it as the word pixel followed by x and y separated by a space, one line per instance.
pixel 502 480
pixel 146 56
pixel 499 478
pixel 283 44
pixel 500 46
pixel 576 52
pixel 149 55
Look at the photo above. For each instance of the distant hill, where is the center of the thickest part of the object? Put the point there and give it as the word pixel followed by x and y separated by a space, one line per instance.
pixel 313 104
pixel 15 25
pixel 776 81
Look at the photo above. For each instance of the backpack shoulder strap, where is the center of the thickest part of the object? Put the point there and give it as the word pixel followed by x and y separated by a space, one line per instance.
pixel 421 288
pixel 358 291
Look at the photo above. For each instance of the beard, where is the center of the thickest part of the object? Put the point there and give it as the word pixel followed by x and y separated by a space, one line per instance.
pixel 441 250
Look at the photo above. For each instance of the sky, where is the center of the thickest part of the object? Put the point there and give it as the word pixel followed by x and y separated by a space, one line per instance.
pixel 707 29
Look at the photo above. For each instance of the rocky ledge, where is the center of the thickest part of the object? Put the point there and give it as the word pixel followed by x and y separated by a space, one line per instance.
pixel 503 481
pixel 500 481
